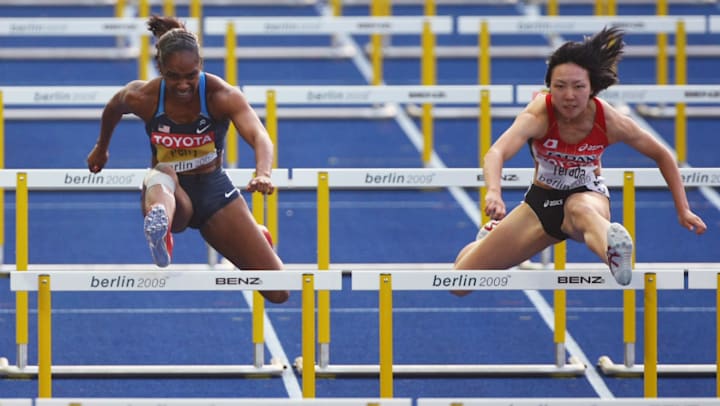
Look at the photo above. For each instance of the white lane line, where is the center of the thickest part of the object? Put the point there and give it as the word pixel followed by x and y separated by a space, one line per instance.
pixel 292 386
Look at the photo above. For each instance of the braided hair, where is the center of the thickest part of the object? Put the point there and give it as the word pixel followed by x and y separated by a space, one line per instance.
pixel 598 55
pixel 171 37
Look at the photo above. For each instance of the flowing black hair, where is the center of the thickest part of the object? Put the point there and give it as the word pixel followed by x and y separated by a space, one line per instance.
pixel 598 55
pixel 171 36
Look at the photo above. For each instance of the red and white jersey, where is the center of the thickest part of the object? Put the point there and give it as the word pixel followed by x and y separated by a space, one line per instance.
pixel 564 166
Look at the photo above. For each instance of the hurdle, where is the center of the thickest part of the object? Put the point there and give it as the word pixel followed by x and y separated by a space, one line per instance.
pixel 45 282
pixel 481 96
pixel 385 282
pixel 697 279
pixel 207 402
pixel 542 51
pixel 352 178
pixel 403 178
pixel 82 27
pixel 564 401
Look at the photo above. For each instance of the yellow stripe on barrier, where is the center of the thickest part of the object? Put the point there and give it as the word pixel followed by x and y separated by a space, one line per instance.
pixel 323 263
pixel 386 336
pixel 271 220
pixel 168 7
pixel 231 139
pixel 484 57
pixel 484 141
pixel 650 323
pixel 196 12
pixel 560 305
pixel 662 44
pixel 21 264
pixel 629 299
pixel 44 338
pixel 144 61
pixel 428 79
pixel 680 79
pixel 308 336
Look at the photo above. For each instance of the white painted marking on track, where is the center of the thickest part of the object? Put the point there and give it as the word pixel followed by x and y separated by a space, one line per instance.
pixel 292 386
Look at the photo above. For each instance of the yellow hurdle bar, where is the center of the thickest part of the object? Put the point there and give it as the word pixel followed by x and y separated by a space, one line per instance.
pixel 378 8
pixel 560 305
pixel 323 263
pixel 484 57
pixel 680 79
pixel 697 279
pixel 144 61
pixel 196 12
pixel 168 7
pixel 271 211
pixel 651 356
pixel 308 336
pixel 629 296
pixel 231 77
pixel 385 324
pixel 484 141
pixel 553 8
pixel 44 338
pixel 258 326
pixel 21 264
pixel 662 44
pixel 428 79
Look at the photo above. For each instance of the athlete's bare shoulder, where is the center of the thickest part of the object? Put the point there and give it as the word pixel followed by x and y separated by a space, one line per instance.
pixel 139 97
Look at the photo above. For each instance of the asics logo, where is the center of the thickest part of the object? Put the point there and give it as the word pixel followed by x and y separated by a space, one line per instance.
pixel 230 193
pixel 552 203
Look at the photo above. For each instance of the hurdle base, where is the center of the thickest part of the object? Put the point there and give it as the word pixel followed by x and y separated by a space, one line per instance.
pixel 573 368
pixel 608 367
pixel 136 371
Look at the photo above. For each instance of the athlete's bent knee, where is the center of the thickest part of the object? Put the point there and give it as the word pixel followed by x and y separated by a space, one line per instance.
pixel 157 177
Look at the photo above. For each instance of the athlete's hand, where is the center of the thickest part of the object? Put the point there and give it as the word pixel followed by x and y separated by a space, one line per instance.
pixel 97 158
pixel 262 184
pixel 494 205
pixel 692 222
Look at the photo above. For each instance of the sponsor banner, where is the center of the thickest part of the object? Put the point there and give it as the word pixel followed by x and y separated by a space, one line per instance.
pixel 75 179
pixel 88 26
pixel 509 280
pixel 640 93
pixel 448 94
pixel 580 25
pixel 174 280
pixel 328 25
pixel 58 95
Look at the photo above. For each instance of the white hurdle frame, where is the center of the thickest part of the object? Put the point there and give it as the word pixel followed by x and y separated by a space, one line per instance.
pixel 387 281
pixel 565 401
pixel 697 279
pixel 45 282
pixel 207 402
pixel 355 178
pixel 130 27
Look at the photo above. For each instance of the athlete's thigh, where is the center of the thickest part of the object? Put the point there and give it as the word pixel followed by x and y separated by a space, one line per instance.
pixel 516 238
pixel 234 234
pixel 584 211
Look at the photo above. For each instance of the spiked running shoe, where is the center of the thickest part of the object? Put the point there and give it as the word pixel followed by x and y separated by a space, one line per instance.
pixel 619 253
pixel 158 235
pixel 266 233
pixel 486 228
